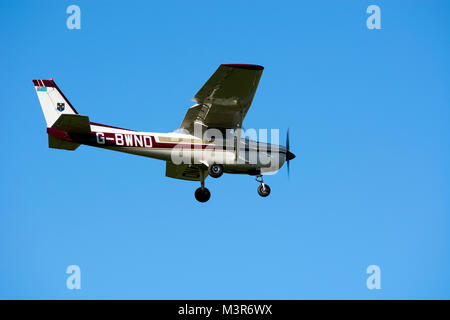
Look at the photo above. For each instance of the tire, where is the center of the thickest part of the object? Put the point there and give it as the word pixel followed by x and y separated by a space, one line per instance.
pixel 202 195
pixel 263 191
pixel 215 170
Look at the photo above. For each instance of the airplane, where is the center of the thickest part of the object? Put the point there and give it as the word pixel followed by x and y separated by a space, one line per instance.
pixel 191 152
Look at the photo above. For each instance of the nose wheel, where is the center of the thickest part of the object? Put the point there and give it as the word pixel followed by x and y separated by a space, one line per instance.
pixel 263 189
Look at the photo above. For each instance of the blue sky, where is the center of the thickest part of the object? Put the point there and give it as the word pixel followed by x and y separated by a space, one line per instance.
pixel 368 112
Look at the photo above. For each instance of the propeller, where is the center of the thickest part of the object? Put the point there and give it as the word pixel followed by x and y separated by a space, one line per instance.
pixel 289 154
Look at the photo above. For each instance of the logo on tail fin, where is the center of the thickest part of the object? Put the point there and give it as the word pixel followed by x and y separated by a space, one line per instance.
pixel 60 106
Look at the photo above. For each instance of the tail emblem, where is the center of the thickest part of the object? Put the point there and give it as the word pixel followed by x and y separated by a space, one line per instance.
pixel 60 106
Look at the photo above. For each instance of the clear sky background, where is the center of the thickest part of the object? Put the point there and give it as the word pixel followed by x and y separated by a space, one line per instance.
pixel 368 112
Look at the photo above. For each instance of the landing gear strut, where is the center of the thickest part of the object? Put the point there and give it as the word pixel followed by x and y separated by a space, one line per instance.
pixel 263 189
pixel 202 194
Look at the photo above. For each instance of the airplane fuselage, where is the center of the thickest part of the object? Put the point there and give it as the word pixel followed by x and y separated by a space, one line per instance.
pixel 241 157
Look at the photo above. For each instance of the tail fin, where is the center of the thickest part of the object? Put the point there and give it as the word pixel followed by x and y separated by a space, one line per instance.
pixel 53 101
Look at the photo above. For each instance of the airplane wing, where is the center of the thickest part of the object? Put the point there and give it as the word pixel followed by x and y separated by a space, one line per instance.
pixel 225 98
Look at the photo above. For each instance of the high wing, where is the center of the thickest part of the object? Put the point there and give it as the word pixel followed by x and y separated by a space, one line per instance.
pixel 225 98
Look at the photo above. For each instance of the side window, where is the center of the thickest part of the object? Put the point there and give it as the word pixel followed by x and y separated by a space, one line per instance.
pixel 247 144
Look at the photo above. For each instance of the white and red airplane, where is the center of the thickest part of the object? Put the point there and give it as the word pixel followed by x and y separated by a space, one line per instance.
pixel 208 141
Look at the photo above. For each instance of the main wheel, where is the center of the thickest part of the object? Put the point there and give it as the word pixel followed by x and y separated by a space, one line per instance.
pixel 215 170
pixel 264 190
pixel 202 195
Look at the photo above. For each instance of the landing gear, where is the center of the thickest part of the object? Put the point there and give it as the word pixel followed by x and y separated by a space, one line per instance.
pixel 215 170
pixel 263 189
pixel 202 194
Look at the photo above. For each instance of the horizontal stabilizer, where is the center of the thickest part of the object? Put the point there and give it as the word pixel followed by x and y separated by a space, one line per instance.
pixel 73 123
pixel 56 143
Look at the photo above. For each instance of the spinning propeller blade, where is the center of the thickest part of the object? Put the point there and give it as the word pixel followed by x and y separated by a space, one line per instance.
pixel 289 154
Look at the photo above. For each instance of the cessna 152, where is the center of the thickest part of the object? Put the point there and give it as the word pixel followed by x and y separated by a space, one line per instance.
pixel 191 152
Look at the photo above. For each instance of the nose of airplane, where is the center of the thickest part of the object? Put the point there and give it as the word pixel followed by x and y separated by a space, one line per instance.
pixel 289 155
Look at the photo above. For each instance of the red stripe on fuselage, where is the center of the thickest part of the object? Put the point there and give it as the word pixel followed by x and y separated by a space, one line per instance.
pixel 110 139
